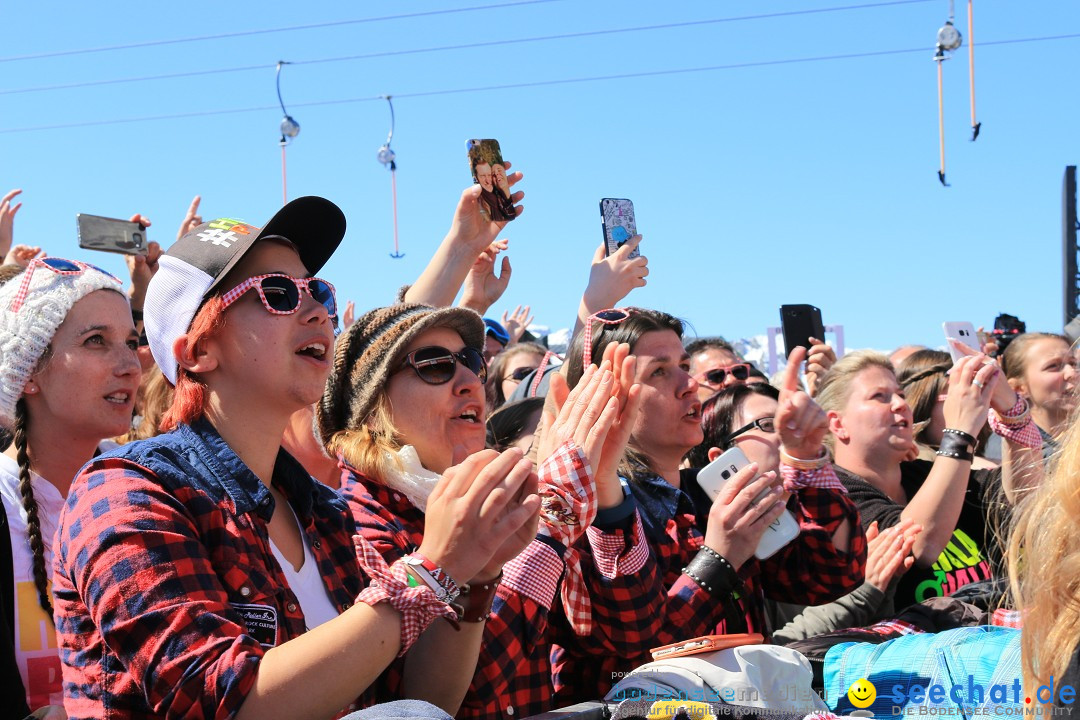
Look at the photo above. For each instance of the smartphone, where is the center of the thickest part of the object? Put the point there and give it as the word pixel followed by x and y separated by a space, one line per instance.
pixel 712 477
pixel 963 332
pixel 489 172
pixel 619 224
pixel 706 643
pixel 111 235
pixel 800 323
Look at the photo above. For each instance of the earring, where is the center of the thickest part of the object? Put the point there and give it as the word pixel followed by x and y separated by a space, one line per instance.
pixel 31 388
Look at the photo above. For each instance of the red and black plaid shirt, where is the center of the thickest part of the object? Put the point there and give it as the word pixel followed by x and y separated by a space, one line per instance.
pixel 810 571
pixel 513 675
pixel 167 592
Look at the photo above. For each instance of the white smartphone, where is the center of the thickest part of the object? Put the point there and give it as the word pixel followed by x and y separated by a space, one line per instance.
pixel 713 476
pixel 965 333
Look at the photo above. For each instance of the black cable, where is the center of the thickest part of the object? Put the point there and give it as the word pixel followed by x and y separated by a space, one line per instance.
pixel 464 46
pixel 511 86
pixel 267 31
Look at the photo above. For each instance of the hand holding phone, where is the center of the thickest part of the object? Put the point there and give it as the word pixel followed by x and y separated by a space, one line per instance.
pixel 964 333
pixel 753 511
pixel 489 172
pixel 799 324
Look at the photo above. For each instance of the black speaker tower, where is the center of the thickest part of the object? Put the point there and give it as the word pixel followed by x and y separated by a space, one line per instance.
pixel 1068 230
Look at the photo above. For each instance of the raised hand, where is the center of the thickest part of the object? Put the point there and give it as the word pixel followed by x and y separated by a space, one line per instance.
pixel 349 316
pixel 819 359
pixel 1004 397
pixel 7 221
pixel 516 323
pixel 191 220
pixel 472 228
pixel 482 514
pixel 801 422
pixel 142 267
pixel 612 277
pixel 738 518
pixel 483 287
pixel 21 255
pixel 973 383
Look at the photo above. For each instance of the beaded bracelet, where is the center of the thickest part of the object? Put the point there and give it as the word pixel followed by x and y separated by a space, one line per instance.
pixel 713 572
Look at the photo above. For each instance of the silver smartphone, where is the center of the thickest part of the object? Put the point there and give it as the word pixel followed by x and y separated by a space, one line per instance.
pixel 111 235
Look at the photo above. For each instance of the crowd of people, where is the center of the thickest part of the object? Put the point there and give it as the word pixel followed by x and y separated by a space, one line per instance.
pixel 225 495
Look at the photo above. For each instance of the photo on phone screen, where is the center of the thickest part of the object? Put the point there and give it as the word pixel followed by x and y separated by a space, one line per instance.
pixel 800 323
pixel 110 235
pixel 619 224
pixel 489 172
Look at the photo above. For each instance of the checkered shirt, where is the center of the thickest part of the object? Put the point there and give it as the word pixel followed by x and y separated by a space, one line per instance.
pixel 513 675
pixel 163 556
pixel 810 571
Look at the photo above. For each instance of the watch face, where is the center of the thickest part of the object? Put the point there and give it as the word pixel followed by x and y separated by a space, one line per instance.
pixel 948 37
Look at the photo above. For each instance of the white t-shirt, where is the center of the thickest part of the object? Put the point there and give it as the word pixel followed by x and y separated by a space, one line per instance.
pixel 306 583
pixel 35 638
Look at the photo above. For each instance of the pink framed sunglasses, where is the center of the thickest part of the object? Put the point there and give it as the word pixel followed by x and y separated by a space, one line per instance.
pixel 611 316
pixel 281 294
pixel 57 265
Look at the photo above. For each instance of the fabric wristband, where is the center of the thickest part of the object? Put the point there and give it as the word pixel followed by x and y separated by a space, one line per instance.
pixel 1016 425
pixel 474 603
pixel 713 573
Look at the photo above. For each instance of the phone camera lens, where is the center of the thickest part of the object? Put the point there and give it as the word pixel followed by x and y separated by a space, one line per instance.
pixel 725 474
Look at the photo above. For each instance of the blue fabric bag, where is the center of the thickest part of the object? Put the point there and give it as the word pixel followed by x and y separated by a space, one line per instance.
pixel 961 673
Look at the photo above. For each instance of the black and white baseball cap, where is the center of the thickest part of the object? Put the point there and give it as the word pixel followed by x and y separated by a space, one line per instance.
pixel 192 268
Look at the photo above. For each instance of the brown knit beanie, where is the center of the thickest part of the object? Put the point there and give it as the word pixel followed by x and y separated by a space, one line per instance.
pixel 371 348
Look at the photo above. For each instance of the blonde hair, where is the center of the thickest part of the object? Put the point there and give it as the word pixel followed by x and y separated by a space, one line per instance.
pixel 371 448
pixel 834 389
pixel 154 399
pixel 1047 586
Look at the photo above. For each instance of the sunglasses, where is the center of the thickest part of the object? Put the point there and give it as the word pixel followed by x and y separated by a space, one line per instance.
pixel 280 293
pixel 56 265
pixel 520 374
pixel 612 316
pixel 436 365
pixel 716 376
pixel 765 424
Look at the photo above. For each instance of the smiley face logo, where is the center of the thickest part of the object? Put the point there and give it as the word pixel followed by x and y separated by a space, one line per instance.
pixel 862 693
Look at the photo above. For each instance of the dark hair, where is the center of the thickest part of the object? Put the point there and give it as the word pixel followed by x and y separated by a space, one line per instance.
pixel 29 503
pixel 718 417
pixel 922 375
pixel 710 343
pixel 639 322
pixel 510 422
pixel 496 370
pixel 630 330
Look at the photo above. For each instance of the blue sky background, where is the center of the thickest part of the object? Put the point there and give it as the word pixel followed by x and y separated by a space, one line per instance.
pixel 754 186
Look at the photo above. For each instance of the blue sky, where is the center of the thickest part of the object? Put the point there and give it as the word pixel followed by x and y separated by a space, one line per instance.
pixel 754 186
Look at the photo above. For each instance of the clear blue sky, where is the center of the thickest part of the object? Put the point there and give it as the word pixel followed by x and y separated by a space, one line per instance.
pixel 754 186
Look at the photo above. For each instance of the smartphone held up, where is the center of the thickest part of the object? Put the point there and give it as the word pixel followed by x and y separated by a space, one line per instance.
pixel 489 172
pixel 619 224
pixel 111 235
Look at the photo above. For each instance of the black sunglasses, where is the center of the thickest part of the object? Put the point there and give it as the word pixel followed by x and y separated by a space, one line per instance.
pixel 520 374
pixel 716 376
pixel 436 365
pixel 765 424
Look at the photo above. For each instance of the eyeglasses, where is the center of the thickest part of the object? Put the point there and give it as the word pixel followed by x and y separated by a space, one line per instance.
pixel 716 376
pixel 612 316
pixel 58 266
pixel 520 374
pixel 280 293
pixel 436 365
pixel 765 424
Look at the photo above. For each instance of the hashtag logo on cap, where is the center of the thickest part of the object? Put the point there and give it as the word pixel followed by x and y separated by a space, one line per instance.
pixel 218 237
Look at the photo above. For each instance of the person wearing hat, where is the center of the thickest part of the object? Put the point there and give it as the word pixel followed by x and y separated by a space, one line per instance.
pixel 203 573
pixel 403 404
pixel 68 378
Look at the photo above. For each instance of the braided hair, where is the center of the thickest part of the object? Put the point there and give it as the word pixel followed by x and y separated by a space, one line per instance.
pixel 33 522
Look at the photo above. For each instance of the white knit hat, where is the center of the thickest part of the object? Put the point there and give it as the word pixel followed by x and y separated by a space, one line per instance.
pixel 26 331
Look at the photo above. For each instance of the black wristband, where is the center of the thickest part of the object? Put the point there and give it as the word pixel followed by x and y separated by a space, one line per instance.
pixel 136 315
pixel 713 573
pixel 955 444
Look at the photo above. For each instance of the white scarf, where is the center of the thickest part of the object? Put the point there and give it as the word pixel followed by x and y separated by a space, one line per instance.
pixel 407 476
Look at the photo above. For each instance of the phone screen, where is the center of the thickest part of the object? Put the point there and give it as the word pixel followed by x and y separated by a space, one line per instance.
pixel 619 224
pixel 489 172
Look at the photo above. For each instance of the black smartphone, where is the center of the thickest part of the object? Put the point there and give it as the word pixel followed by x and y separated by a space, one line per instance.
pixel 619 224
pixel 111 235
pixel 800 323
pixel 489 172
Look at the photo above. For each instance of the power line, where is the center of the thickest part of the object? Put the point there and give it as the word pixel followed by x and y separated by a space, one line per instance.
pixel 465 46
pixel 267 31
pixel 513 86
